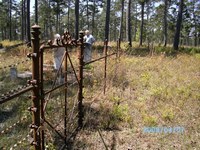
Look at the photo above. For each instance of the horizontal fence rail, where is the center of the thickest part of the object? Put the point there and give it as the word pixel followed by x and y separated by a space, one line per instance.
pixel 15 93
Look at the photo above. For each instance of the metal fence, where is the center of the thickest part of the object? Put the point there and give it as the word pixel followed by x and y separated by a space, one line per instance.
pixel 72 117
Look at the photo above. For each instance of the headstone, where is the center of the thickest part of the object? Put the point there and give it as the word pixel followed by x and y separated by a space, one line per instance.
pixel 24 75
pixel 13 73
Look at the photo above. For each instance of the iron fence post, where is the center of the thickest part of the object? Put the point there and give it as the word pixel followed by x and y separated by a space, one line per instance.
pixel 42 97
pixel 80 78
pixel 117 47
pixel 36 90
pixel 105 66
pixel 120 50
pixel 65 110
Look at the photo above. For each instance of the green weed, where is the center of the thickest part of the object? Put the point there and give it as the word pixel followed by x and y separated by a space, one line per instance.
pixel 150 120
pixel 168 114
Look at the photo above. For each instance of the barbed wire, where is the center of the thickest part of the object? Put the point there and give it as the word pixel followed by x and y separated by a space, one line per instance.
pixel 14 91
pixel 6 130
pixel 92 57
pixel 15 65
pixel 20 142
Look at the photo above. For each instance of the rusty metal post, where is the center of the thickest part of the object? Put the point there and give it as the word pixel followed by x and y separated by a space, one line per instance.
pixel 42 97
pixel 80 78
pixel 118 47
pixel 65 111
pixel 36 90
pixel 105 66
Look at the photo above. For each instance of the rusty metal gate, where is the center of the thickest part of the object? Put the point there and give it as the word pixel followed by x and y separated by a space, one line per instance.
pixel 41 96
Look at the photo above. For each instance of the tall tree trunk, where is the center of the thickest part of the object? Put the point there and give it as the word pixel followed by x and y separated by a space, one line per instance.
pixel 148 28
pixel 129 39
pixel 88 26
pixel 135 26
pixel 165 23
pixel 121 21
pixel 115 29
pixel 60 30
pixel 5 31
pixel 22 21
pixel 76 19
pixel 50 28
pixel 93 16
pixel 68 15
pixel 195 24
pixel 107 20
pixel 178 26
pixel 28 23
pixel 195 36
pixel 142 23
pixel 10 20
pixel 25 20
pixel 36 11
pixel 15 31
pixel 57 17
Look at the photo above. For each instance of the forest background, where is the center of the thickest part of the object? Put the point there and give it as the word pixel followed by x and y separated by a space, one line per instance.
pixel 150 21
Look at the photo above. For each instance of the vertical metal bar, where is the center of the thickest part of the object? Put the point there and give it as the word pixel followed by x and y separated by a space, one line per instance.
pixel 42 97
pixel 65 118
pixel 36 90
pixel 80 78
pixel 118 47
pixel 105 66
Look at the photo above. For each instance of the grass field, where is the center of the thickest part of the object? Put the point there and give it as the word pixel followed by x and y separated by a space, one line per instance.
pixel 144 92
pixel 158 91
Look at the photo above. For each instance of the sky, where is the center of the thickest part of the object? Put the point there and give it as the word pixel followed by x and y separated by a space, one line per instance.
pixel 32 4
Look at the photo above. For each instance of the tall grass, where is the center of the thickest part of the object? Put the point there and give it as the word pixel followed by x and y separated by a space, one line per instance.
pixel 151 91
pixel 140 91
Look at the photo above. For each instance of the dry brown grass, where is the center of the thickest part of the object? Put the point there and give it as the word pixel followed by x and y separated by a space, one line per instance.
pixel 141 91
pixel 144 91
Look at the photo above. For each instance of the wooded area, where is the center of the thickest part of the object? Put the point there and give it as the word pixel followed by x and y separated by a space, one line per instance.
pixel 150 21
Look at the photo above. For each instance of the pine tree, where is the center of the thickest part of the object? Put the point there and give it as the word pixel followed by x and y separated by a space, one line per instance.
pixel 178 26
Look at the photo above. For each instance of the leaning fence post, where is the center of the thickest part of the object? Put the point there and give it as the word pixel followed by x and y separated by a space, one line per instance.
pixel 36 90
pixel 118 47
pixel 105 65
pixel 80 78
